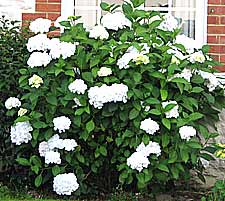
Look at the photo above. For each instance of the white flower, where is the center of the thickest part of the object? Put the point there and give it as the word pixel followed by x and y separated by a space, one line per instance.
pixel 69 144
pixel 20 133
pixel 186 132
pixel 78 86
pixel 98 96
pixel 54 47
pixel 61 123
pixel 173 113
pixel 175 60
pixel 52 157
pixel 115 21
pixel 67 49
pixel 186 74
pixel 137 161
pixel 99 31
pixel 189 43
pixel 38 43
pixel 55 142
pixel 104 71
pixel 149 126
pixel 177 54
pixel 12 102
pixel 212 81
pixel 169 23
pixel 37 59
pixel 65 184
pixel 22 111
pixel 123 62
pixel 154 18
pixel 141 59
pixel 151 148
pixel 35 81
pixel 197 57
pixel 40 25
pixel 43 148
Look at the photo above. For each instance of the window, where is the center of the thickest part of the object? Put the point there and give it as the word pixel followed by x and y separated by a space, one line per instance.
pixel 192 13
pixel 13 9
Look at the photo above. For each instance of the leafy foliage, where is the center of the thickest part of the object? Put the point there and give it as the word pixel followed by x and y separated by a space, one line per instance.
pixel 108 136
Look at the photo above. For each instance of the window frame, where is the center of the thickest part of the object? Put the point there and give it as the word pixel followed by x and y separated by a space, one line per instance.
pixel 68 8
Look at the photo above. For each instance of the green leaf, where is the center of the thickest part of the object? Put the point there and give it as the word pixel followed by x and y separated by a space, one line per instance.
pixel 52 100
pixel 155 112
pixel 87 76
pixel 90 126
pixel 104 6
pixel 195 116
pixel 164 94
pixel 163 168
pixel 153 101
pixel 133 114
pixel 197 90
pixel 172 157
pixel 166 123
pixel 165 140
pixel 137 77
pixel 103 150
pixel 38 180
pixel 56 170
pixel 184 155
pixel 194 145
pixel 23 161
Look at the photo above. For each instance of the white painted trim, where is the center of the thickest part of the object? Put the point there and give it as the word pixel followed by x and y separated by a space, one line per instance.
pixel 67 8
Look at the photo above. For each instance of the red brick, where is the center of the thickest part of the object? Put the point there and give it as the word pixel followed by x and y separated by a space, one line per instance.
pixel 222 58
pixel 222 2
pixel 41 1
pixel 217 49
pixel 213 1
pixel 220 68
pixel 33 16
pixel 215 57
pixel 222 39
pixel 216 10
pixel 48 7
pixel 216 29
pixel 213 19
pixel 53 16
pixel 54 1
pixel 213 39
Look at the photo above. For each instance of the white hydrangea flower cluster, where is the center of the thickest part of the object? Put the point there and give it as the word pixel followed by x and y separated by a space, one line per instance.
pixel 139 159
pixel 12 102
pixel 173 113
pixel 115 21
pixel 52 157
pixel 212 81
pixel 133 54
pixel 38 43
pixel 189 43
pixel 35 81
pixel 38 59
pixel 197 57
pixel 49 149
pixel 65 184
pixel 77 102
pixel 20 133
pixel 169 23
pixel 177 55
pixel 104 71
pixel 40 25
pixel 98 96
pixel 44 49
pixel 61 123
pixel 99 31
pixel 78 86
pixel 186 132
pixel 149 126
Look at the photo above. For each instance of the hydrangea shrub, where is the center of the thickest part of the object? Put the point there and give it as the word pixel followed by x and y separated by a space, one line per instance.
pixel 126 102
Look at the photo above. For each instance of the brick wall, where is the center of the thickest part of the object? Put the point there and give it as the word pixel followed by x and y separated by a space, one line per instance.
pixel 216 30
pixel 50 9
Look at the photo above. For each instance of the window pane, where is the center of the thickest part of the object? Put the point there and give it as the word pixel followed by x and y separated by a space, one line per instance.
pixel 113 1
pixel 186 3
pixel 86 2
pixel 156 3
pixel 89 17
